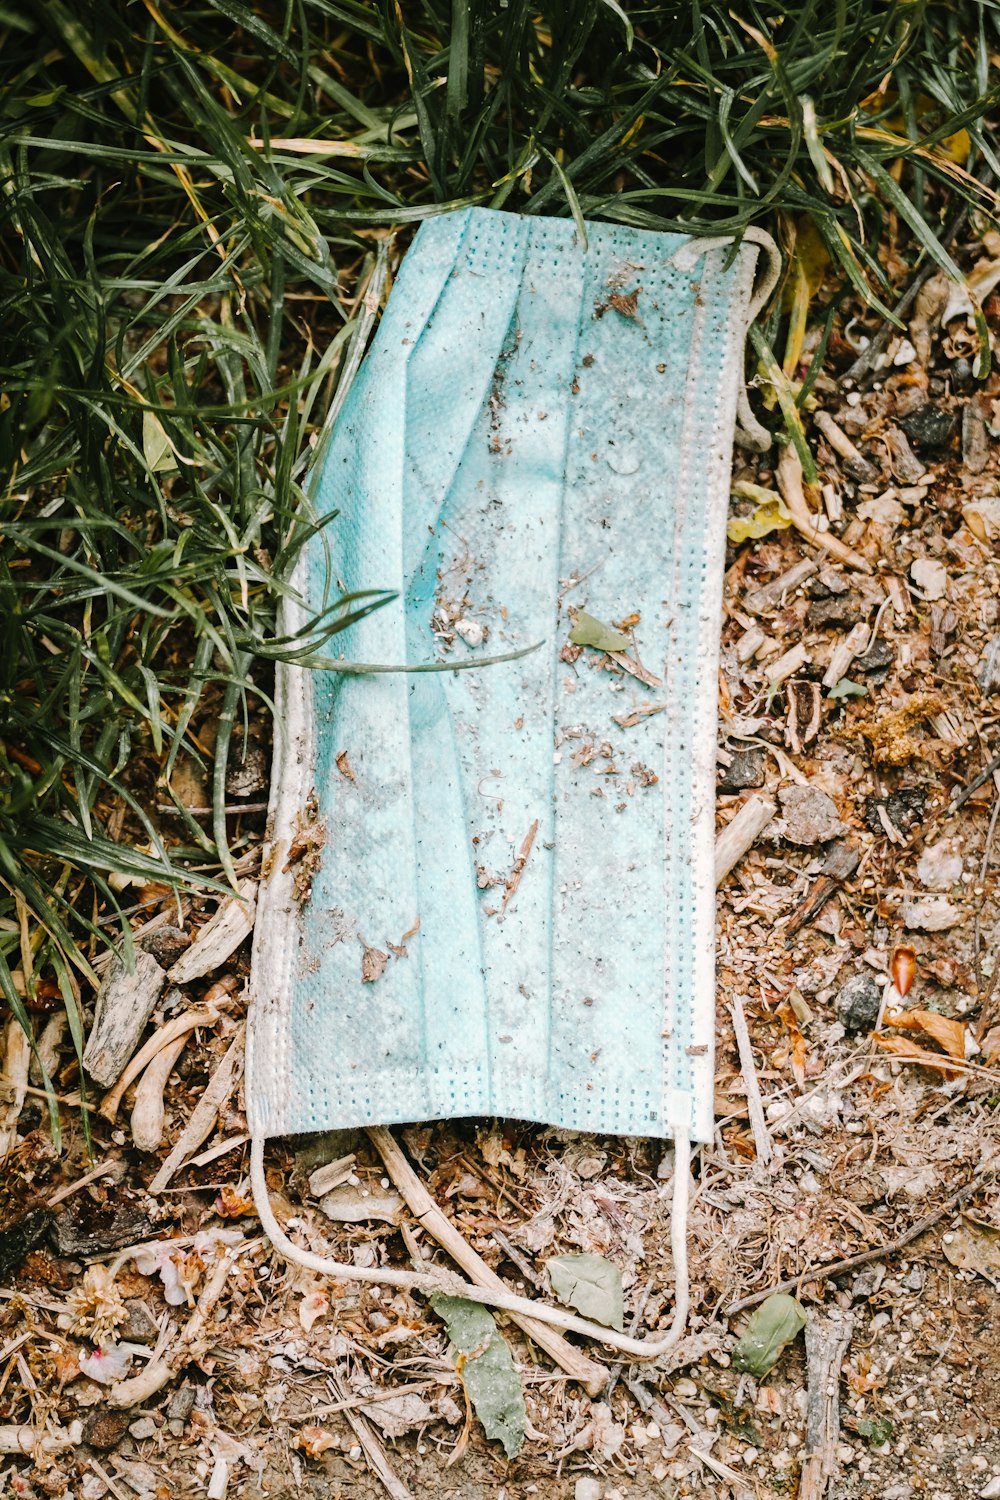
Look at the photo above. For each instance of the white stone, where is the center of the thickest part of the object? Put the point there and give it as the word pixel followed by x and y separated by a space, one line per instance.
pixel 930 577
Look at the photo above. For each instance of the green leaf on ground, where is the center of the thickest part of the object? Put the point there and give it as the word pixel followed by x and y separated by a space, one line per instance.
pixel 589 631
pixel 845 688
pixel 774 1324
pixel 591 1284
pixel 487 1368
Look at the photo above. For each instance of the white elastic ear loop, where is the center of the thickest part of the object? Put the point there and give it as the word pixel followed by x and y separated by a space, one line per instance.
pixel 749 432
pixel 442 1281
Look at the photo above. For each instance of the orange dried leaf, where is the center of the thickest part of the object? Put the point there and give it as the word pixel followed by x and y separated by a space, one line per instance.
pixel 798 1043
pixel 314 1440
pixel 947 1033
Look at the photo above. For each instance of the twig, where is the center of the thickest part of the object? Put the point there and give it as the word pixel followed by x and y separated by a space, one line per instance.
pixel 760 600
pixel 519 864
pixel 615 1372
pixel 739 833
pixel 221 935
pixel 204 1114
pixel 755 1108
pixel 201 1016
pixel 82 1182
pixel 967 791
pixel 124 1005
pixel 826 1345
pixel 841 443
pixel 373 1450
pixel 852 1262
pixel 789 477
pixel 37 1442
pixel 420 1203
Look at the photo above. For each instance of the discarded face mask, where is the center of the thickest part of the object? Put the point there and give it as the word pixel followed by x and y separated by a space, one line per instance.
pixel 490 888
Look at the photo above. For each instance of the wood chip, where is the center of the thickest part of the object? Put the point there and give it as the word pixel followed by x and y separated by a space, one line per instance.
pixel 221 935
pixel 204 1114
pixel 124 1005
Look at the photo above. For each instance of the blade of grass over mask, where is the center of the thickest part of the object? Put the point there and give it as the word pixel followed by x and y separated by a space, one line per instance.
pixel 186 288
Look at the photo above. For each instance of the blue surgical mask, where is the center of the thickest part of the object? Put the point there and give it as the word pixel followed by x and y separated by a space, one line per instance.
pixel 490 890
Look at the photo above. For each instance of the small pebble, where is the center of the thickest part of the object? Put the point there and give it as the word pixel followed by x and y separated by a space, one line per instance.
pixel 685 1389
pixel 587 1488
pixel 857 1003
pixel 142 1428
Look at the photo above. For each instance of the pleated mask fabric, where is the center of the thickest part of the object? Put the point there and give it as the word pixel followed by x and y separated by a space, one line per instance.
pixel 490 891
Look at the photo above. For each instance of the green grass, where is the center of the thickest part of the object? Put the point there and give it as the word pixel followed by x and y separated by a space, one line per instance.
pixel 195 198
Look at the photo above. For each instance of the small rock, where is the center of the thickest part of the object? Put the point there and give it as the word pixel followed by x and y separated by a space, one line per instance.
pixel 139 1326
pixel 588 1488
pixel 878 658
pixel 868 1281
pixel 940 865
pixel 143 1428
pixel 829 580
pixel 471 631
pixel 991 1490
pixel 975 439
pixel 931 914
pixel 840 610
pixel 248 772
pixel 906 467
pixel 746 769
pixel 181 1403
pixel 166 945
pixel 104 1428
pixel 989 671
pixel 930 577
pixel 810 816
pixel 963 379
pixel 858 1003
pixel 685 1389
pixel 928 426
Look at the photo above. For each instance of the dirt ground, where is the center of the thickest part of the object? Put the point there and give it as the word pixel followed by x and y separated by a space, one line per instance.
pixel 856 699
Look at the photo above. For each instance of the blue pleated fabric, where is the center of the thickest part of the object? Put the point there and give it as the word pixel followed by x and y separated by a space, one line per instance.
pixel 512 912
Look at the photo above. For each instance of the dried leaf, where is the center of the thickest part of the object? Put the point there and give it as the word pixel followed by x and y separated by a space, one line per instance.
pixel 797 1056
pixel 908 1051
pixel 314 1305
pixel 773 1325
pixel 373 962
pixel 589 631
pixel 314 1440
pixel 947 1033
pixel 487 1368
pixel 974 1246
pixel 591 1284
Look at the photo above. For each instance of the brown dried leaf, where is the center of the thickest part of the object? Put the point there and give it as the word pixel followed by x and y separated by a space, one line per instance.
pixel 908 1051
pixel 947 1033
pixel 373 963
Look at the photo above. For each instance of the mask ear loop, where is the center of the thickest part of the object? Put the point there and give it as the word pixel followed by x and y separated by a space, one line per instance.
pixel 749 432
pixel 443 1281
